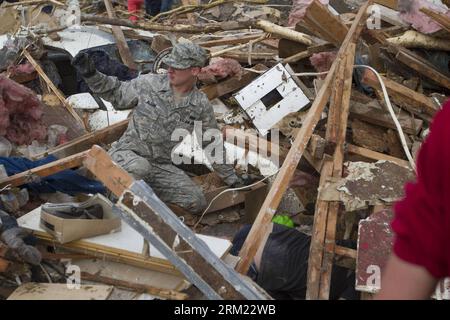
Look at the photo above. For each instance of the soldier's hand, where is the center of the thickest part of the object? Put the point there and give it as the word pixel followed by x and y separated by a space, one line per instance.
pixel 84 64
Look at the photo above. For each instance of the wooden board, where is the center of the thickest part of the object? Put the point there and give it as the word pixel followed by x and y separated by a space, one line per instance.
pixel 60 291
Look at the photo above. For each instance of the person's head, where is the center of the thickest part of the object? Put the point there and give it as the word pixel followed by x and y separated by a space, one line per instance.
pixel 185 63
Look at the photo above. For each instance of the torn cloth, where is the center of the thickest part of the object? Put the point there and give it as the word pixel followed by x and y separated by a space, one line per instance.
pixel 67 181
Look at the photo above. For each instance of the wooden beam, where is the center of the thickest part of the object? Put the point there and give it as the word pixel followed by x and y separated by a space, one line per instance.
pixel 369 113
pixel 284 32
pixel 52 87
pixel 324 24
pixel 345 252
pixel 121 42
pixel 44 170
pixel 423 67
pixel 439 17
pixel 104 136
pixel 260 228
pixel 228 41
pixel 154 291
pixel 404 97
pixel 375 155
pixel 100 164
pixel 341 103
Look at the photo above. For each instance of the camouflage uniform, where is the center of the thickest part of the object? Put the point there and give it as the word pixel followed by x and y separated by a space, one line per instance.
pixel 145 148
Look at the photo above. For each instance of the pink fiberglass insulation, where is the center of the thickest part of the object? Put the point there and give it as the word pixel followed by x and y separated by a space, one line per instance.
pixel 25 68
pixel 322 61
pixel 410 13
pixel 220 68
pixel 298 10
pixel 20 113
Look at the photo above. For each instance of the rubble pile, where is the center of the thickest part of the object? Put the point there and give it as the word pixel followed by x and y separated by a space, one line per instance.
pixel 350 95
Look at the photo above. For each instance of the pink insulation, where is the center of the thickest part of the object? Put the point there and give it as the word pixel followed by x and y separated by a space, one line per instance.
pixel 25 68
pixel 220 68
pixel 322 61
pixel 20 113
pixel 298 10
pixel 410 13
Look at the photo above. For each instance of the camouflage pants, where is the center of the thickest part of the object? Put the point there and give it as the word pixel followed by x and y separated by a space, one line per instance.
pixel 171 184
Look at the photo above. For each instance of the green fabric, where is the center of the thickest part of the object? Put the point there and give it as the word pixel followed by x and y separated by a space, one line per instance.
pixel 283 220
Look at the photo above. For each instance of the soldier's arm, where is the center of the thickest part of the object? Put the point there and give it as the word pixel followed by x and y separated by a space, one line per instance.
pixel 225 171
pixel 122 94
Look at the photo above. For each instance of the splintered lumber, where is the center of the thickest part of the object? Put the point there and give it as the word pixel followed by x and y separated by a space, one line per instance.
pixel 33 3
pixel 52 87
pixel 228 41
pixel 341 103
pixel 260 227
pixel 183 28
pixel 412 60
pixel 283 32
pixel 104 136
pixel 414 39
pixel 163 293
pixel 121 42
pixel 404 97
pixel 423 67
pixel 373 155
pixel 439 17
pixel 376 115
pixel 43 171
pixel 324 24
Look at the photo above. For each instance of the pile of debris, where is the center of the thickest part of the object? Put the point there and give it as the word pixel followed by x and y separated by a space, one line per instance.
pixel 340 93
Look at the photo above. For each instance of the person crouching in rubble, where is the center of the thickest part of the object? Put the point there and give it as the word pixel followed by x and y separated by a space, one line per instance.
pixel 162 103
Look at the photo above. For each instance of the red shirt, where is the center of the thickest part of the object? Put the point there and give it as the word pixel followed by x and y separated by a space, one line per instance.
pixel 422 219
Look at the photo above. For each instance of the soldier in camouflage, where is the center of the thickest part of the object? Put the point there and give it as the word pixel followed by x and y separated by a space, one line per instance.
pixel 162 103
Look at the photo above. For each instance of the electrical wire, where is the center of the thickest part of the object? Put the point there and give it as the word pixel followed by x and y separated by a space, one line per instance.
pixel 230 190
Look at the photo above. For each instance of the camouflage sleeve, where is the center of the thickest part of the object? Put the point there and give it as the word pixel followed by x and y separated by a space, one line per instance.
pixel 122 94
pixel 225 171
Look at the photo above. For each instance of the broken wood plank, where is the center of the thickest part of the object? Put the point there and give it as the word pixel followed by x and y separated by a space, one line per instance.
pixel 228 41
pixel 345 252
pixel 316 146
pixel 33 3
pixel 230 85
pixel 44 170
pixel 318 235
pixel 374 114
pixel 52 87
pixel 342 103
pixel 414 39
pixel 324 24
pixel 439 17
pixel 260 228
pixel 104 136
pixel 4 265
pixel 124 50
pixel 163 293
pixel 100 164
pixel 393 4
pixel 423 67
pixel 284 32
pixel 404 97
pixel 373 155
